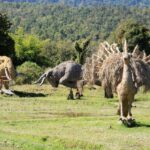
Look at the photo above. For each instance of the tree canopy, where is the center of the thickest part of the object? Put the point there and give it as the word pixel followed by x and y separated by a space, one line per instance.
pixel 59 22
pixel 28 47
pixel 135 33
pixel 6 42
pixel 47 33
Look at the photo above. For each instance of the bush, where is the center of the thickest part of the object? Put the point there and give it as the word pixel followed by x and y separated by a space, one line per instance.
pixel 29 71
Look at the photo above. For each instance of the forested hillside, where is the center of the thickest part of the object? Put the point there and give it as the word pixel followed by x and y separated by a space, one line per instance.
pixel 59 22
pixel 45 35
pixel 88 2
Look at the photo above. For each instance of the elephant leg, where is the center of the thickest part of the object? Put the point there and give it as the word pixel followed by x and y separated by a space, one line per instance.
pixel 6 85
pixel 1 84
pixel 70 96
pixel 77 94
pixel 80 85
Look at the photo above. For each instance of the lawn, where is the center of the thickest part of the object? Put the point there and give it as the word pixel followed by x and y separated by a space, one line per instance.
pixel 41 118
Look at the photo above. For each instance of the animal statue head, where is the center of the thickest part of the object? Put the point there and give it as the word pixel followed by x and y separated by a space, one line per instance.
pixel 126 56
pixel 7 68
pixel 50 77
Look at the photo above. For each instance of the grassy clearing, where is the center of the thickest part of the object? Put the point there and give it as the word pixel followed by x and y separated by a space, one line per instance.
pixel 42 119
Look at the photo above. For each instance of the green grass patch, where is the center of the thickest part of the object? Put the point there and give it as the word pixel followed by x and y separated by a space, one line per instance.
pixel 41 118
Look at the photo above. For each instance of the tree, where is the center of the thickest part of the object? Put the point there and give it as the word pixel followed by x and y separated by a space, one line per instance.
pixel 57 51
pixel 31 72
pixel 81 50
pixel 6 42
pixel 28 47
pixel 135 33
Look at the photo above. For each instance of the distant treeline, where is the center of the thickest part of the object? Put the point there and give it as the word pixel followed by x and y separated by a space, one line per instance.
pixel 59 22
pixel 88 2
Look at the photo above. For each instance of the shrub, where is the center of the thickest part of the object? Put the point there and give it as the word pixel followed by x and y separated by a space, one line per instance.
pixel 29 72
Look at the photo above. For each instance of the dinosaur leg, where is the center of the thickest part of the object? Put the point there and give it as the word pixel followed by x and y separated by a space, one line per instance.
pixel 108 92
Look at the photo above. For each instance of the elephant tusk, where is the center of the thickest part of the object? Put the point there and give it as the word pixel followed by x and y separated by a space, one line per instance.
pixel 41 79
pixel 6 73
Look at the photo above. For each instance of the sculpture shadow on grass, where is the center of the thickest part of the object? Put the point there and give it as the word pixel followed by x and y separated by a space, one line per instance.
pixel 134 124
pixel 139 124
pixel 29 94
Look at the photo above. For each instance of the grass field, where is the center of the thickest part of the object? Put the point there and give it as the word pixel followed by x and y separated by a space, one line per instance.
pixel 39 118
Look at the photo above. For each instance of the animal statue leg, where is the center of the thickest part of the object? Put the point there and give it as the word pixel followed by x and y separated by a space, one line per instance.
pixel 108 92
pixel 80 85
pixel 123 108
pixel 6 85
pixel 77 94
pixel 1 84
pixel 118 110
pixel 91 85
pixel 70 96
pixel 129 108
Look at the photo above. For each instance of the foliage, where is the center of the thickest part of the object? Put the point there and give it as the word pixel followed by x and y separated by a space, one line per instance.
pixel 27 47
pixel 81 51
pixel 59 22
pixel 57 51
pixel 6 42
pixel 135 33
pixel 29 72
pixel 55 28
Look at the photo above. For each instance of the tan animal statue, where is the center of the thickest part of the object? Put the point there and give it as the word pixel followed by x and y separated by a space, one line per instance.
pixel 7 72
pixel 127 88
pixel 124 73
pixel 106 66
